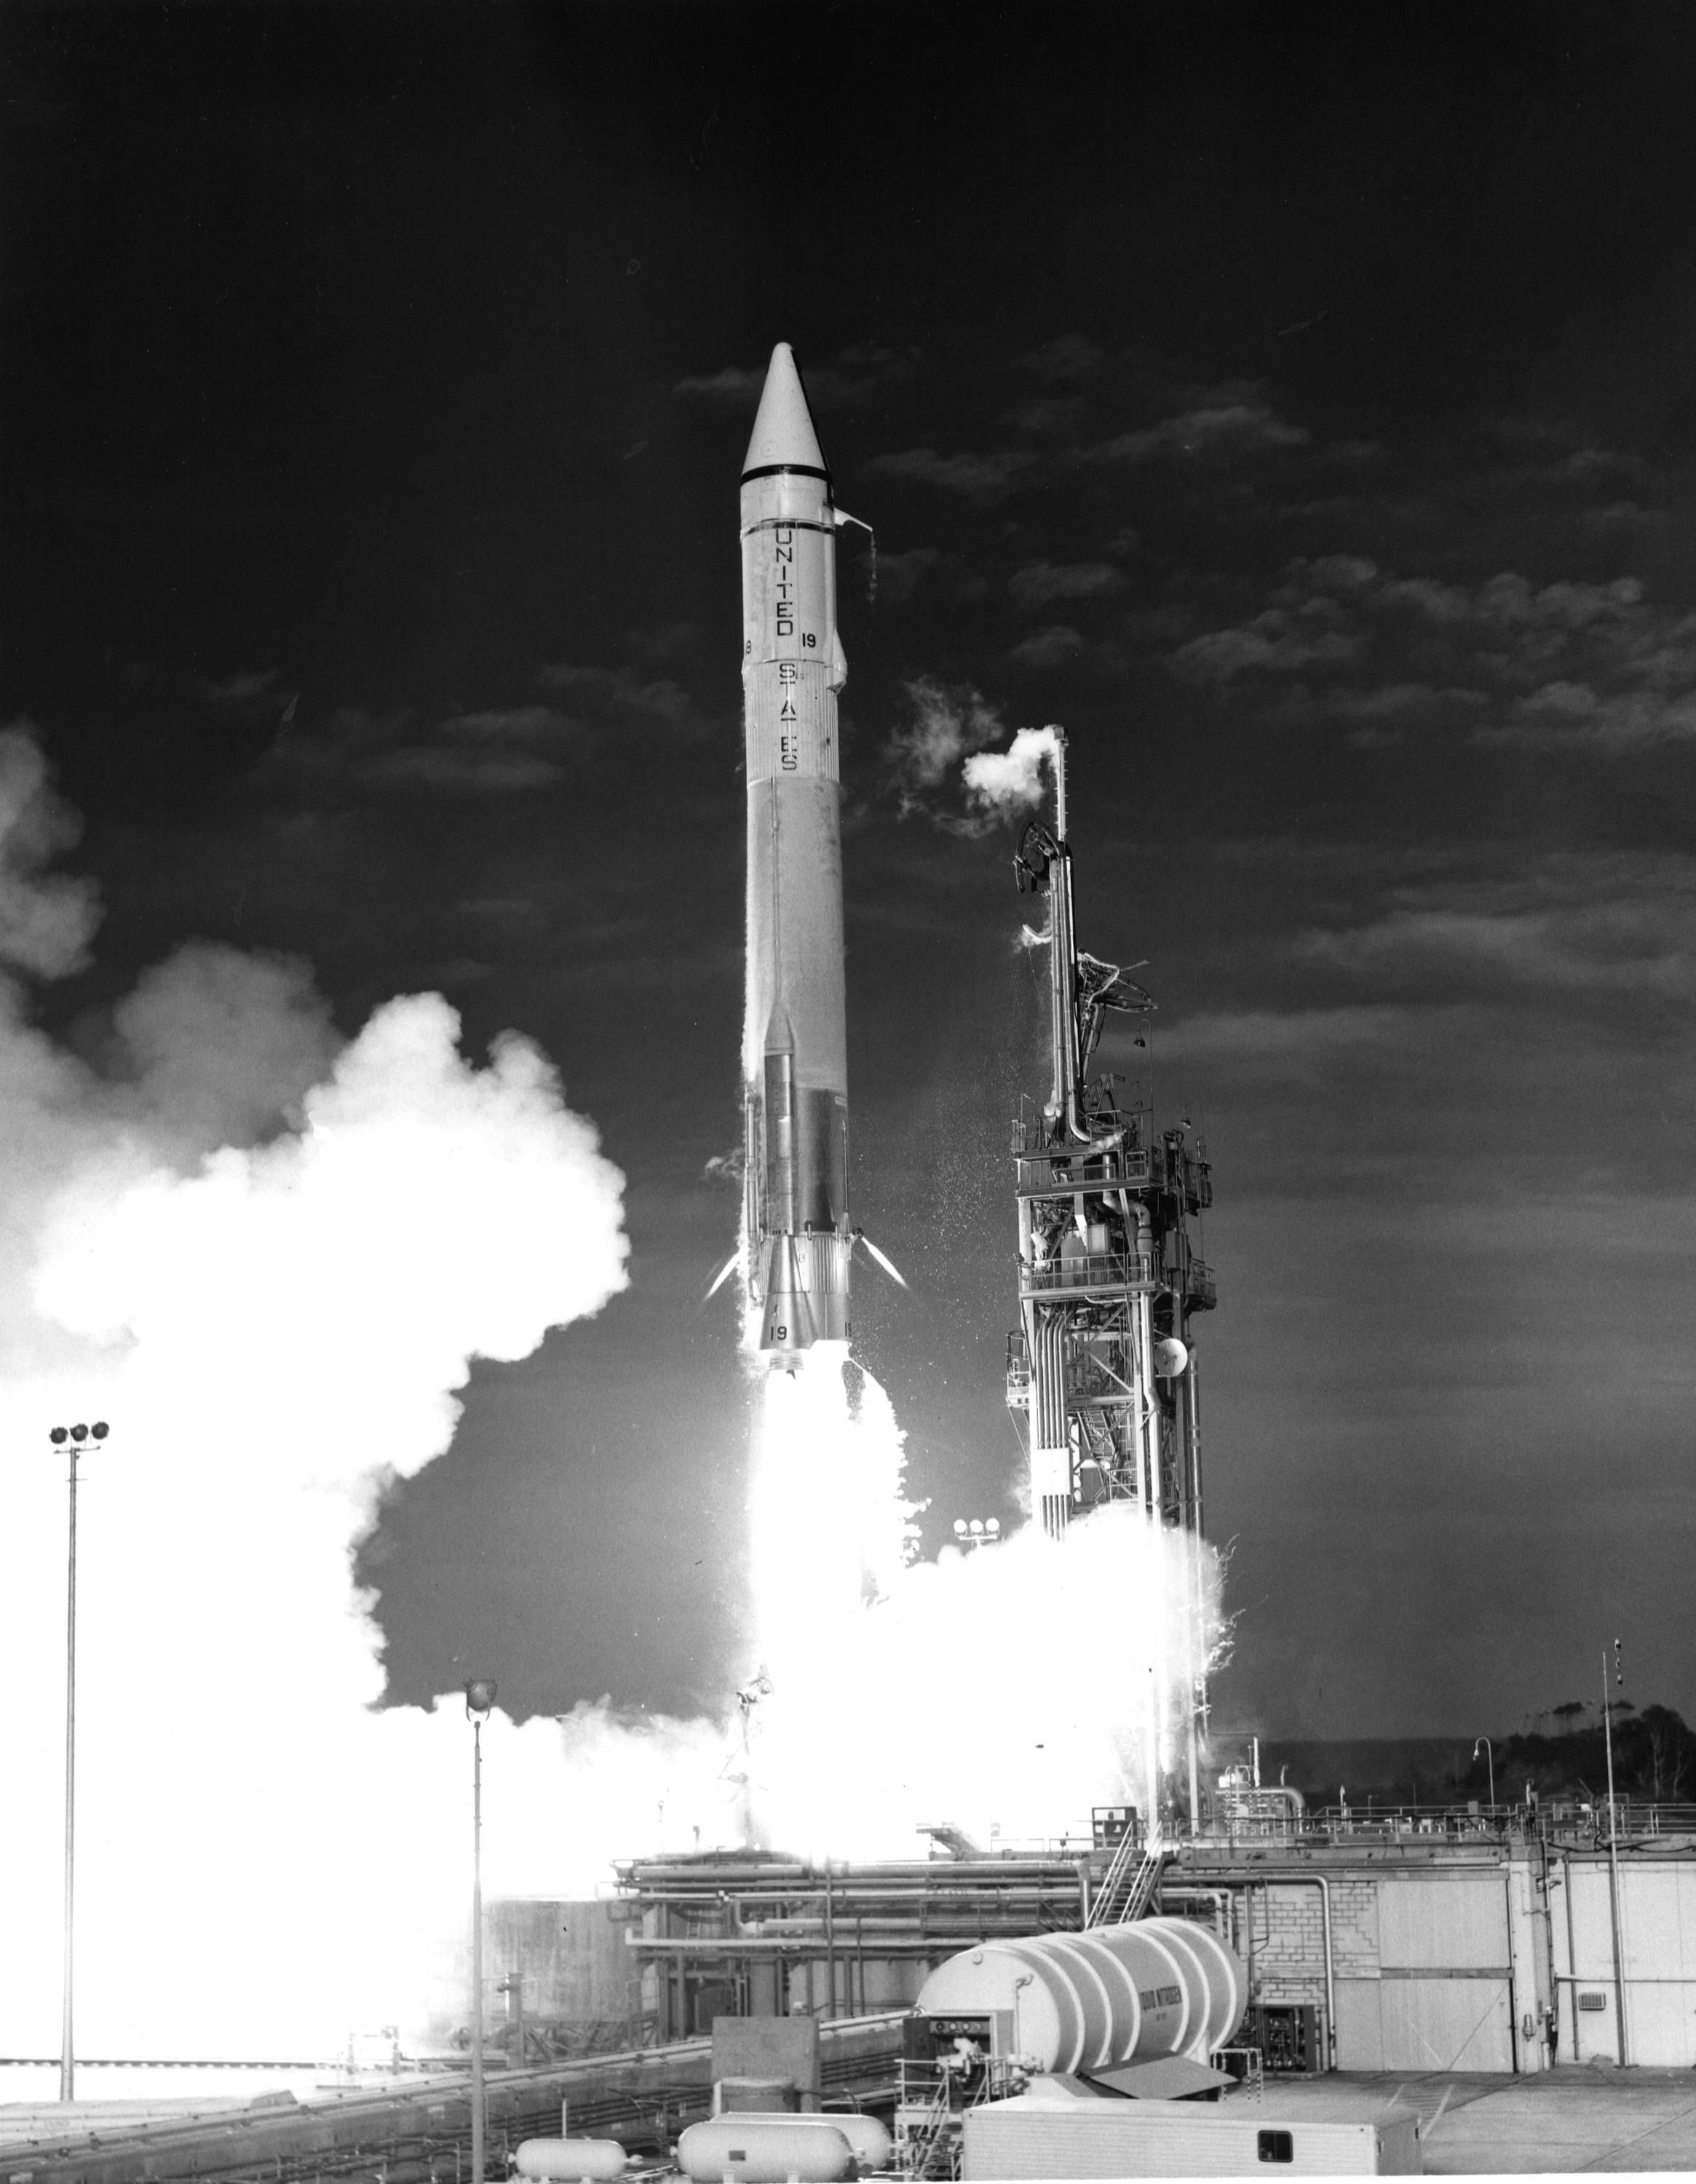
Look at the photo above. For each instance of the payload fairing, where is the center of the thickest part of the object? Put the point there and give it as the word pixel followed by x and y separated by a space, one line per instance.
pixel 795 1030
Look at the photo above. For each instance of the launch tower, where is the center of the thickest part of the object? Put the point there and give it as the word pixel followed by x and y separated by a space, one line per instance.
pixel 1102 1362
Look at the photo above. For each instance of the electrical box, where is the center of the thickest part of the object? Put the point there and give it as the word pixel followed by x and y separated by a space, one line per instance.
pixel 1287 2035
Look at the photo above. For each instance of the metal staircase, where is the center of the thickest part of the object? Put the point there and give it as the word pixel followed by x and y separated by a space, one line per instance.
pixel 1127 1887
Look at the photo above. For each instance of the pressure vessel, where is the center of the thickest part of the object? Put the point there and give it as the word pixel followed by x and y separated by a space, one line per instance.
pixel 872 2146
pixel 570 2160
pixel 1088 2000
pixel 765 2149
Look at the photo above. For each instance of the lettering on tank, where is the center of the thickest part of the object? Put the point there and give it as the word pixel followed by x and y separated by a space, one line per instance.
pixel 783 542
pixel 1160 1997
pixel 788 744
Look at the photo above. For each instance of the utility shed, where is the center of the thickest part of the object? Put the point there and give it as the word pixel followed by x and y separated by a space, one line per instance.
pixel 1473 1955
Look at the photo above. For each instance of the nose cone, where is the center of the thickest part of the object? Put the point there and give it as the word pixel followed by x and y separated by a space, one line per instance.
pixel 783 435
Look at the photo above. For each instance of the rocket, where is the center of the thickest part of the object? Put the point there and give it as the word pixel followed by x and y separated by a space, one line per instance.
pixel 798 1235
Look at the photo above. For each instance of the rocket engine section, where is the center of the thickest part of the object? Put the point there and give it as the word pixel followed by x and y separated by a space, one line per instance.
pixel 795 1033
pixel 1086 2001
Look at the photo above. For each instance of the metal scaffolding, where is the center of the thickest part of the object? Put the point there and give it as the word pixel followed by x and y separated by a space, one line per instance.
pixel 1103 1364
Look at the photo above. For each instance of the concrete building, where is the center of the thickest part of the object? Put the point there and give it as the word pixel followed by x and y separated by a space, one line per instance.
pixel 1498 1954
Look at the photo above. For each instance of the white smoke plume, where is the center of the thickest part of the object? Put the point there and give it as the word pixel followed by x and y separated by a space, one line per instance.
pixel 47 921
pixel 275 1329
pixel 1003 783
pixel 947 724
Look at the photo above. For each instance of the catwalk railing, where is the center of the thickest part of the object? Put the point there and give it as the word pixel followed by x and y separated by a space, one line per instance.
pixel 1564 1820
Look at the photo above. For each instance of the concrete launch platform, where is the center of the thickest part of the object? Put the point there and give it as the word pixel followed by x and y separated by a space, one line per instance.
pixel 1493 2124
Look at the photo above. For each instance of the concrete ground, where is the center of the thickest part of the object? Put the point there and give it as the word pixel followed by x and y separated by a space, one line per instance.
pixel 1483 2124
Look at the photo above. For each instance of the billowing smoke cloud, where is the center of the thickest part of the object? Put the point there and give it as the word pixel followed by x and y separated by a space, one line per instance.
pixel 947 724
pixel 268 1259
pixel 1002 784
pixel 46 921
pixel 223 1046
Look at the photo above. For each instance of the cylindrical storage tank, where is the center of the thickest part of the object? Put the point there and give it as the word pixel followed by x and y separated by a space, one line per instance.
pixel 764 2149
pixel 570 2160
pixel 1109 1994
pixel 871 2144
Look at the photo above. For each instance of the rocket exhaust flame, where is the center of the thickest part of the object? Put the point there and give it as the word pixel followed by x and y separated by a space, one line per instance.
pixel 844 1608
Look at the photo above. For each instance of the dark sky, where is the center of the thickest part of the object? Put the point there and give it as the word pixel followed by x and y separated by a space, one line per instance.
pixel 1296 405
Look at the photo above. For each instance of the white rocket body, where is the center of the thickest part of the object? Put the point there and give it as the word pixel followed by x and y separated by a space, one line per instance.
pixel 795 1031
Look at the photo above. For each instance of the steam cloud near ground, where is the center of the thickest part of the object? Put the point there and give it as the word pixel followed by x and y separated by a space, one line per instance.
pixel 268 1257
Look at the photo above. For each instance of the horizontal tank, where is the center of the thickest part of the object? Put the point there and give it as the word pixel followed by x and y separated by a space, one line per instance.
pixel 871 2144
pixel 1089 2001
pixel 570 2160
pixel 765 2149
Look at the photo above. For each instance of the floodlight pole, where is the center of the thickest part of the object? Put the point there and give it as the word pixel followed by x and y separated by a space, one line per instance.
pixel 1490 1759
pixel 480 1697
pixel 67 2035
pixel 477 2118
pixel 1614 1864
pixel 72 1438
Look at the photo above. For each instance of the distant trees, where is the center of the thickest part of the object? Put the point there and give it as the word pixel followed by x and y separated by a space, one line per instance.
pixel 1654 1757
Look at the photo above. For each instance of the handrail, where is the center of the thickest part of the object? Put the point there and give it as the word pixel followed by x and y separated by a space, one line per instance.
pixel 1119 1168
pixel 1142 1888
pixel 1101 1910
pixel 1098 1270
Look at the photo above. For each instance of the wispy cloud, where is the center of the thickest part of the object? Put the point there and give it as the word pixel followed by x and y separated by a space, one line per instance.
pixel 858 377
pixel 1218 431
pixel 240 688
pixel 618 693
pixel 1576 663
pixel 492 752
pixel 1603 924
pixel 1048 648
pixel 1040 584
pixel 459 770
pixel 982 478
pixel 1067 359
pixel 731 387
pixel 946 576
pixel 1279 641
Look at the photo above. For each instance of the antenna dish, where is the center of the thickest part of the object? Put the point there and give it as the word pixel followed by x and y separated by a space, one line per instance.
pixel 1170 1358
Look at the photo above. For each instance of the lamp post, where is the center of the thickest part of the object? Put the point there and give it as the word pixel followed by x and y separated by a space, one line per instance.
pixel 480 1697
pixel 75 1438
pixel 1613 1849
pixel 1490 1755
